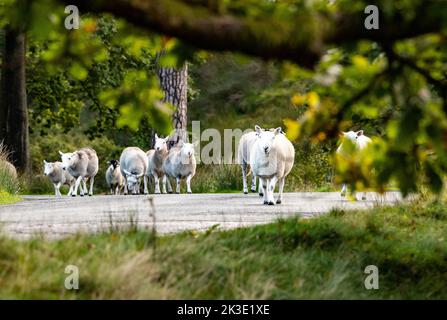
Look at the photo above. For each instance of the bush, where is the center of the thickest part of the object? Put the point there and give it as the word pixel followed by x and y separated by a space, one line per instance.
pixel 8 181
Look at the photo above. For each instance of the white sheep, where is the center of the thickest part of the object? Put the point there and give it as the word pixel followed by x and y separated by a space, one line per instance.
pixel 271 159
pixel 243 151
pixel 156 158
pixel 181 163
pixel 360 142
pixel 114 178
pixel 82 164
pixel 133 165
pixel 59 177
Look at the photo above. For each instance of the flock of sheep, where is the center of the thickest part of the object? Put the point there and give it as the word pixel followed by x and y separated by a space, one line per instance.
pixel 268 153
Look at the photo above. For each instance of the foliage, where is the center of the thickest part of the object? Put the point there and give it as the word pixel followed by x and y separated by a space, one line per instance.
pixel 9 185
pixel 319 258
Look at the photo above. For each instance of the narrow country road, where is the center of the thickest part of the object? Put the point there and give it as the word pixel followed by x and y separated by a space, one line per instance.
pixel 58 217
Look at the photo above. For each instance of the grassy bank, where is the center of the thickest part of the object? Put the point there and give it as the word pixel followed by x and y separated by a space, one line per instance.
pixel 292 259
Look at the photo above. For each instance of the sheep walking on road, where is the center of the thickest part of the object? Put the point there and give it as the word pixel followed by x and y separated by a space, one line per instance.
pixel 114 178
pixel 156 158
pixel 133 165
pixel 181 163
pixel 271 159
pixel 83 164
pixel 360 142
pixel 59 177
pixel 243 152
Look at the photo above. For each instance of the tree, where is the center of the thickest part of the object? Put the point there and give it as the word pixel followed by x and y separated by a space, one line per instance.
pixel 13 99
pixel 174 83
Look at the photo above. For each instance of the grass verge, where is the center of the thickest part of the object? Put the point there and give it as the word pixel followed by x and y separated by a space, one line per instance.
pixel 290 259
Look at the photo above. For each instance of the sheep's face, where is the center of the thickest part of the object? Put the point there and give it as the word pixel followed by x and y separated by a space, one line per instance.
pixel 266 138
pixel 160 144
pixel 114 163
pixel 48 168
pixel 352 136
pixel 67 159
pixel 188 150
pixel 132 181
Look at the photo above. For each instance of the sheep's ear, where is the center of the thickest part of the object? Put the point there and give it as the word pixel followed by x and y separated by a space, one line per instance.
pixel 156 136
pixel 45 161
pixel 258 129
pixel 278 130
pixel 342 134
pixel 127 173
pixel 61 153
pixel 359 133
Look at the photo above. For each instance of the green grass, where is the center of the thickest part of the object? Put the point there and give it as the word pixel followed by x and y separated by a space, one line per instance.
pixel 290 259
pixel 7 198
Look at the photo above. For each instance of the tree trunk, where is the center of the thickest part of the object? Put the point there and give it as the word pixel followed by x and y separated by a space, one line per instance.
pixel 174 83
pixel 13 105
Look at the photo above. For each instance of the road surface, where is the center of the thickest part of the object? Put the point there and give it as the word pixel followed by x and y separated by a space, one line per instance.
pixel 55 217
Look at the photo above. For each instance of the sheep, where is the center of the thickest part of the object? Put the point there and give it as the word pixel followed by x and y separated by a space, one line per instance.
pixel 271 159
pixel 360 142
pixel 181 163
pixel 82 164
pixel 59 177
pixel 244 147
pixel 133 165
pixel 243 151
pixel 156 158
pixel 114 178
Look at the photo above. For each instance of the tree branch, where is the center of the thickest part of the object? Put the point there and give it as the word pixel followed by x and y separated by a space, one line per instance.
pixel 301 39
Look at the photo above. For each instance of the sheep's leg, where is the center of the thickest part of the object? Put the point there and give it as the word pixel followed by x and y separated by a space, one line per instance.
pixel 280 189
pixel 55 189
pixel 244 176
pixel 188 183
pixel 85 186
pixel 164 184
pixel 263 183
pixel 145 184
pixel 253 183
pixel 271 190
pixel 156 183
pixel 343 190
pixel 177 190
pixel 117 190
pixel 261 192
pixel 78 181
pixel 125 186
pixel 168 182
pixel 363 195
pixel 70 191
pixel 92 180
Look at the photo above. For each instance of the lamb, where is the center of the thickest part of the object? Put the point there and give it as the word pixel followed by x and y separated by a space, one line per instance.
pixel 156 158
pixel 82 164
pixel 360 142
pixel 59 177
pixel 133 165
pixel 271 159
pixel 181 163
pixel 114 178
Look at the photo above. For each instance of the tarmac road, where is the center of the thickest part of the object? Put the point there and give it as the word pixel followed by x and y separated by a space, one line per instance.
pixel 58 217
